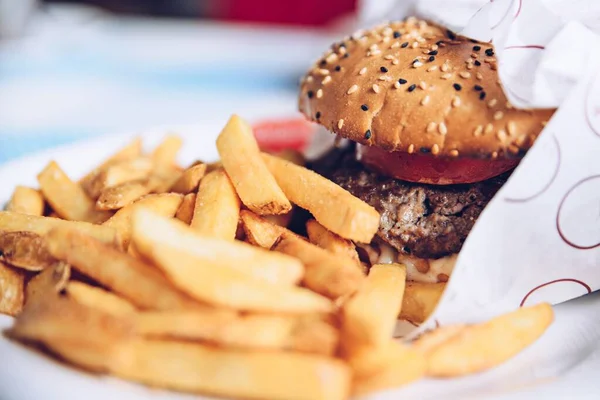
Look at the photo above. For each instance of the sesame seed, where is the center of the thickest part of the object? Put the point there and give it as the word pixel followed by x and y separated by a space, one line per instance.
pixel 434 47
pixel 489 52
pixel 469 66
pixel 513 149
pixel 346 55
pixel 511 127
pixel 456 101
pixel 477 63
pixel 309 79
pixel 423 85
pixel 318 115
pixel 389 57
pixel 385 78
pixel 431 58
pixel 394 45
pixel 362 71
pixel 373 47
pixel 310 94
pixel 319 93
pixel 425 100
pixel 326 80
pixel 501 135
pixel 489 128
pixel 439 42
pixel 432 68
pixel 479 76
pixel 395 62
pixel 415 45
pixel 352 89
pixel 444 67
pixel 412 87
pixel 521 140
pixel 383 69
pixel 433 53
pixel 481 95
pixel 435 149
pixel 322 63
pixel 411 149
pixel 368 134
pixel 364 107
pixel 338 68
pixel 431 127
pixel 402 81
pixel 465 74
pixel 375 52
pixel 332 58
pixel 508 105
pixel 442 129
pixel 404 45
pixel 478 88
pixel 477 132
pixel 417 64
pixel 454 153
pixel 340 123
pixel 498 115
pixel 476 48
pixel 492 103
pixel 446 76
pixel 450 34
pixel 397 85
pixel 457 86
pixel 323 71
pixel 396 34
pixel 376 88
pixel 494 155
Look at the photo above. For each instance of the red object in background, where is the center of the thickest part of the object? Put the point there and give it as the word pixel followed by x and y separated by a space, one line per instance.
pixel 277 135
pixel 304 12
pixel 425 168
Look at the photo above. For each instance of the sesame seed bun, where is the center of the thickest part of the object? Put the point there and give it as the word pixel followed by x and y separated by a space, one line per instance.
pixel 415 87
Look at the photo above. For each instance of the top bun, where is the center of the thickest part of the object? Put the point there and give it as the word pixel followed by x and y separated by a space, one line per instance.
pixel 413 86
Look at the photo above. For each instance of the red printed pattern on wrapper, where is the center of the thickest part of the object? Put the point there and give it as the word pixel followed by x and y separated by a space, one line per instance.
pixel 592 106
pixel 554 282
pixel 577 222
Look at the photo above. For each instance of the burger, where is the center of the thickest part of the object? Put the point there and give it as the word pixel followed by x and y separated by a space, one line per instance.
pixel 425 135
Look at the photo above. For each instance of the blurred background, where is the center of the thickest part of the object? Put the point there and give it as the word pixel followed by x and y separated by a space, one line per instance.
pixel 71 70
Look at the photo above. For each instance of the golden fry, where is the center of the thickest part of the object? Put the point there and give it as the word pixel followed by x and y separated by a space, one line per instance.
pixel 131 278
pixel 99 299
pixel 26 200
pixel 25 250
pixel 369 317
pixel 49 282
pixel 217 208
pixel 67 198
pixel 319 235
pixel 420 300
pixel 209 370
pixel 429 341
pixel 120 173
pixel 252 180
pixel 12 288
pixel 189 180
pixel 325 273
pixel 117 197
pixel 230 274
pixel 258 231
pixel 479 347
pixel 185 212
pixel 165 154
pixel 14 222
pixel 335 208
pixel 165 204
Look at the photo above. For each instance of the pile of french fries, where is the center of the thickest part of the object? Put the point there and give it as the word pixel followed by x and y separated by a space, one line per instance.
pixel 189 279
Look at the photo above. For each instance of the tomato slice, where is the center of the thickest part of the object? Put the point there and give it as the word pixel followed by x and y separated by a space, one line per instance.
pixel 424 168
pixel 281 134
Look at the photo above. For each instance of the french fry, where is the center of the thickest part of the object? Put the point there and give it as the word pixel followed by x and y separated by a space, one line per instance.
pixel 189 180
pixel 117 197
pixel 67 198
pixel 81 335
pixel 402 365
pixel 325 273
pixel 120 173
pixel 429 341
pixel 12 287
pixel 319 235
pixel 26 200
pixel 217 208
pixel 333 207
pixel 420 300
pixel 165 204
pixel 258 231
pixel 165 154
pixel 229 274
pixel 47 283
pixel 132 150
pixel 369 317
pixel 14 222
pixel 479 347
pixel 266 375
pixel 241 159
pixel 25 250
pixel 99 299
pixel 185 212
pixel 136 281
pixel 227 328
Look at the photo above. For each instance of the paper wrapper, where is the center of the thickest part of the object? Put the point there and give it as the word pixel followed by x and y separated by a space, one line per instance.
pixel 539 238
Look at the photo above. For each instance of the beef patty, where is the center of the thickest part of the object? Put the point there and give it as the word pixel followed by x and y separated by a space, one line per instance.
pixel 427 221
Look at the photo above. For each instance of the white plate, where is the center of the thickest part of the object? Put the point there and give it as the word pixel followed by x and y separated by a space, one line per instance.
pixel 565 361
